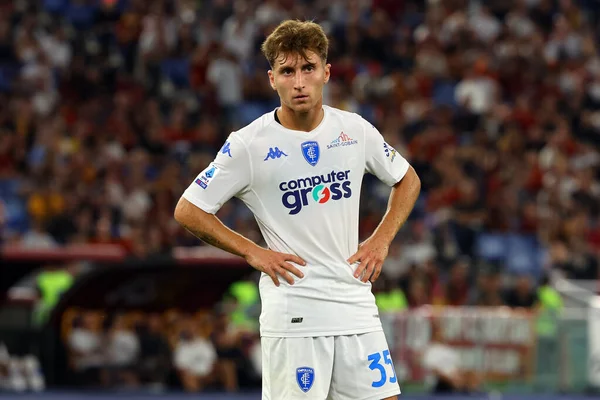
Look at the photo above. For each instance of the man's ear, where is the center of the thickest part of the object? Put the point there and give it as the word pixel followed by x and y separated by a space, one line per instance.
pixel 327 72
pixel 271 79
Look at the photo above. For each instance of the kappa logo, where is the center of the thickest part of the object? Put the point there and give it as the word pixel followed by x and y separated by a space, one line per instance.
pixel 305 376
pixel 342 140
pixel 311 152
pixel 274 153
pixel 226 149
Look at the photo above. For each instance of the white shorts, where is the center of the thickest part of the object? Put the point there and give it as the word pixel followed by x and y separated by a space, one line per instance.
pixel 353 367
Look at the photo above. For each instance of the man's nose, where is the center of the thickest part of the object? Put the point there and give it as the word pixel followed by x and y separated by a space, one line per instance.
pixel 299 81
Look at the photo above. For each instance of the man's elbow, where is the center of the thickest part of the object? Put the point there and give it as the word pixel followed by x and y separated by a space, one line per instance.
pixel 410 181
pixel 187 214
pixel 181 211
pixel 417 181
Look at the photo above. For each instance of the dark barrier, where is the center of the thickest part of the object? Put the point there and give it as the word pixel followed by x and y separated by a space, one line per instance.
pixel 189 279
pixel 16 263
pixel 143 287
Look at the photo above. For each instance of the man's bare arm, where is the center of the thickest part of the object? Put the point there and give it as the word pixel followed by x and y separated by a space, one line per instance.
pixel 401 202
pixel 208 228
pixel 373 251
pixel 211 230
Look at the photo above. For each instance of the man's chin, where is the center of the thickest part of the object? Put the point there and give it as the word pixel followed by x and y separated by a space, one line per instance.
pixel 302 108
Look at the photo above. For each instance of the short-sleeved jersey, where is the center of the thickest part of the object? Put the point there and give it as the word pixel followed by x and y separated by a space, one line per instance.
pixel 304 190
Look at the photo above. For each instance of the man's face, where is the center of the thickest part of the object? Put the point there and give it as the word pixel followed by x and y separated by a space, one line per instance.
pixel 299 82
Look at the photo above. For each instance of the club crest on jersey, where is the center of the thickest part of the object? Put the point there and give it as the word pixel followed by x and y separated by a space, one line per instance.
pixel 311 152
pixel 305 376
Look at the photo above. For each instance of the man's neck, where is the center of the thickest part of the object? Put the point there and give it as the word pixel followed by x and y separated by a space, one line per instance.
pixel 300 122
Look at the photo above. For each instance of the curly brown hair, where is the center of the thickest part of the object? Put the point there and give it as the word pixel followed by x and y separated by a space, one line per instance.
pixel 295 37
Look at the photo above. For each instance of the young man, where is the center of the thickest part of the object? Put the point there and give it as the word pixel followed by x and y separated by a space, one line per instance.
pixel 299 169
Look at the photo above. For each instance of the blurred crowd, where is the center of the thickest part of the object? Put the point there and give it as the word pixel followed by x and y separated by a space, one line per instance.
pixel 109 109
pixel 160 351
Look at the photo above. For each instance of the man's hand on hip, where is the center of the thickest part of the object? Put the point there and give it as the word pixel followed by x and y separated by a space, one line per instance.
pixel 275 264
pixel 371 254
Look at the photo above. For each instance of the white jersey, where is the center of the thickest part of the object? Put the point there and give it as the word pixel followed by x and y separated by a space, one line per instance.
pixel 304 190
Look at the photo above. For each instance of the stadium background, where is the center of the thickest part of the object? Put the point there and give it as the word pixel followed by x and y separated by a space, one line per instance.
pixel 109 109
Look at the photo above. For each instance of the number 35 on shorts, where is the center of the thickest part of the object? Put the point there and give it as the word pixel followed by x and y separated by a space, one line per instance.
pixel 377 364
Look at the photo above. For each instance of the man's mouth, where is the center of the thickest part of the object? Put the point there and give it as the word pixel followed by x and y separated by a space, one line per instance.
pixel 301 96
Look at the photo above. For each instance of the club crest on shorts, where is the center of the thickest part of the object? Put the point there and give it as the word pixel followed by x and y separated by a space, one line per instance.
pixel 305 376
pixel 311 152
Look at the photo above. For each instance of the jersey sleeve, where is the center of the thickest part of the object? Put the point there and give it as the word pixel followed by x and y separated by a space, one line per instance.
pixel 227 176
pixel 382 160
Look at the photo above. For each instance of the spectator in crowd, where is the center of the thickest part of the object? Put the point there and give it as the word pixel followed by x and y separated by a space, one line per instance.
pixel 85 349
pixel 456 290
pixel 227 340
pixel 243 298
pixel 195 359
pixel 522 295
pixel 418 293
pixel 121 351
pixel 4 368
pixel 548 307
pixel 443 363
pixel 38 238
pixel 388 296
pixel 51 282
pixel 155 358
pixel 488 291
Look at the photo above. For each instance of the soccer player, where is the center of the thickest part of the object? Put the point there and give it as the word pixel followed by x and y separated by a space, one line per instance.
pixel 299 169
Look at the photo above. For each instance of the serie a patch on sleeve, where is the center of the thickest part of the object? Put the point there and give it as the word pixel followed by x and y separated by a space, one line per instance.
pixel 206 176
pixel 389 151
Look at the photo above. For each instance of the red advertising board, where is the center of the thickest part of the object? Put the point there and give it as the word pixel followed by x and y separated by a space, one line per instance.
pixel 498 344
